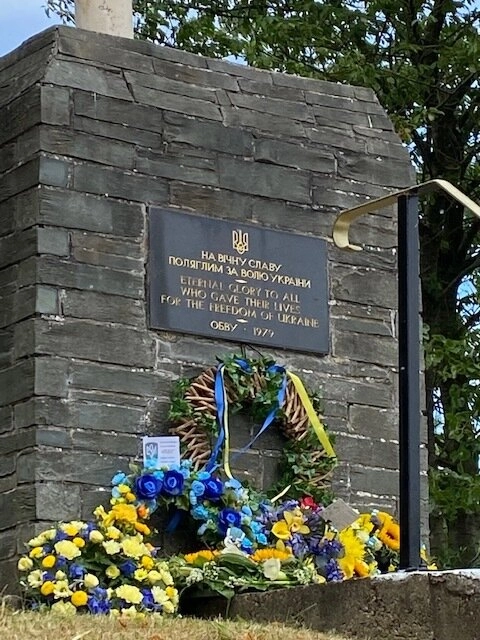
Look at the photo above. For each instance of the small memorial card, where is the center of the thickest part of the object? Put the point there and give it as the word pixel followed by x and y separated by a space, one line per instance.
pixel 339 514
pixel 162 451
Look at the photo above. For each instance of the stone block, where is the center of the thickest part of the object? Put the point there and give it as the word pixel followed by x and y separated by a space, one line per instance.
pixel 293 155
pixel 115 131
pixel 186 169
pixel 80 467
pixel 53 241
pixel 266 123
pixel 119 184
pixel 47 301
pixel 365 348
pixel 17 247
pixel 89 277
pixel 297 110
pixel 210 200
pixel 90 341
pixel 58 501
pixel 111 443
pixel 194 75
pixel 103 307
pixel 77 144
pixel 263 180
pixel 55 105
pixel 51 376
pixel 173 102
pixel 16 382
pixel 6 419
pixel 66 73
pixel 207 135
pixel 374 170
pixel 19 179
pixel 20 115
pixel 376 481
pixel 74 210
pixel 169 86
pixel 111 111
pixel 52 437
pixel 365 286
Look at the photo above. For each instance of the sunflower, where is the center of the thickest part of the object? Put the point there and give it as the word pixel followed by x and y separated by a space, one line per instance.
pixel 353 551
pixel 205 555
pixel 389 532
pixel 267 554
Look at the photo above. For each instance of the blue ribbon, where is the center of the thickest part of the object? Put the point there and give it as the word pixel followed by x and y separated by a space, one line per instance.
pixel 220 402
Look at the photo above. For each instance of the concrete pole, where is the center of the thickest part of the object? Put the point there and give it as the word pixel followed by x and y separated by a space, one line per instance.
pixel 105 16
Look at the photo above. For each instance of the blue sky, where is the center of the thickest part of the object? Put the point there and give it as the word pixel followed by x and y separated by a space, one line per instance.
pixel 19 20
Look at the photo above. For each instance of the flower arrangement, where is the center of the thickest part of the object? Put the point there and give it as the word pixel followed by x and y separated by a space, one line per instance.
pixel 102 567
pixel 214 504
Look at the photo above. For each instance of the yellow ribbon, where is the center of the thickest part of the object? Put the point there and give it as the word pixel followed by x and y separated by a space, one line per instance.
pixel 312 416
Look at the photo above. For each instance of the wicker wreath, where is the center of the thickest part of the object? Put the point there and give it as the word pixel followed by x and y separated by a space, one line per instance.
pixel 292 420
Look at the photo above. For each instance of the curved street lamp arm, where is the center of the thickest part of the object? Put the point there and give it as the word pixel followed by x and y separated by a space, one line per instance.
pixel 341 227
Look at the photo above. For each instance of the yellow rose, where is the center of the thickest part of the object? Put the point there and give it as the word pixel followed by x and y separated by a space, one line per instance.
pixel 129 593
pixel 112 571
pixel 24 564
pixel 111 547
pixel 96 537
pixel 154 577
pixel 63 608
pixel 79 599
pixel 47 588
pixel 79 542
pixel 48 562
pixel 70 529
pixel 67 549
pixel 60 575
pixel 90 581
pixel 36 552
pixel 36 542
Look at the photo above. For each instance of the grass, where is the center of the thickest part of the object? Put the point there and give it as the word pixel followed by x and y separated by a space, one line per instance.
pixel 20 625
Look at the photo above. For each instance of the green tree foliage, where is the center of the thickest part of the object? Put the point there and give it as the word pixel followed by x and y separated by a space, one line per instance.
pixel 422 58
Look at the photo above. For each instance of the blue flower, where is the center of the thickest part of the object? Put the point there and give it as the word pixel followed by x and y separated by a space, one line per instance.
pixel 76 571
pixel 199 512
pixel 60 535
pixel 98 607
pixel 246 546
pixel 119 478
pixel 147 486
pixel 233 483
pixel 213 488
pixel 197 488
pixel 333 571
pixel 128 568
pixel 116 493
pixel 148 601
pixel 247 511
pixel 261 538
pixel 203 475
pixel 61 562
pixel 228 518
pixel 173 483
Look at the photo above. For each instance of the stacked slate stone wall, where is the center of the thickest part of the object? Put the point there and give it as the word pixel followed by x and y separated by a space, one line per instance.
pixel 93 130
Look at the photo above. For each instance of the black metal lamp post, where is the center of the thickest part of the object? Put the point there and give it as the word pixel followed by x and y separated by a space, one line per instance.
pixel 408 346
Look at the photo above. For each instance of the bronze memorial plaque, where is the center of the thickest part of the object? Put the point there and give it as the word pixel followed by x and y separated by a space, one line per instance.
pixel 237 281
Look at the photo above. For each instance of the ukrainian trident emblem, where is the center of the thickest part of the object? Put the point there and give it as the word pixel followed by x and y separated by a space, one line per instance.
pixel 240 241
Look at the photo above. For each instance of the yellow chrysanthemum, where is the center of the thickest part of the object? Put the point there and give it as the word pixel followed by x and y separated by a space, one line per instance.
pixel 123 488
pixel 67 549
pixel 204 554
pixel 62 590
pixel 113 533
pixel 266 554
pixel 36 552
pixel 63 608
pixel 47 588
pixel 160 595
pixel 353 551
pixel 172 593
pixel 48 562
pixel 60 575
pixel 130 497
pixel 140 575
pixel 79 599
pixel 111 547
pixel 124 513
pixel 24 564
pixel 35 578
pixel 130 594
pixel 134 547
pixel 147 562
